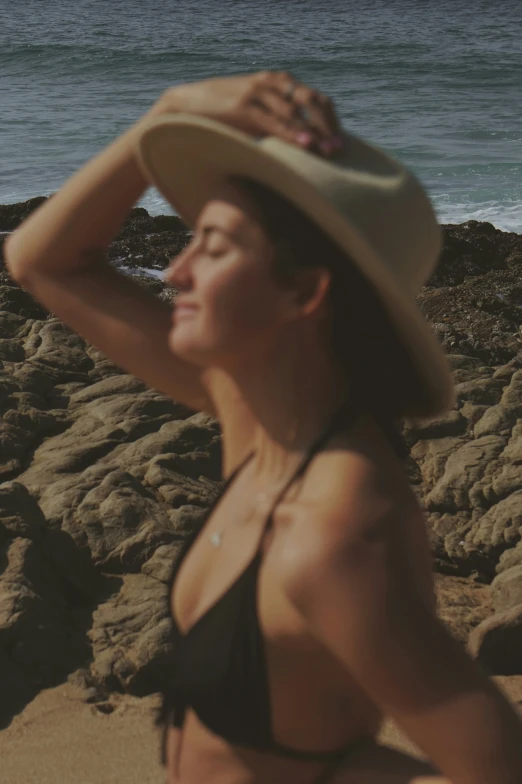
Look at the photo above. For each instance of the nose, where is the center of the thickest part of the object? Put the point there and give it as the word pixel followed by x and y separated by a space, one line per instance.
pixel 179 271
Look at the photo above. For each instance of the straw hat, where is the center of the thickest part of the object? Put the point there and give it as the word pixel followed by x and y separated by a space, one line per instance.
pixel 365 200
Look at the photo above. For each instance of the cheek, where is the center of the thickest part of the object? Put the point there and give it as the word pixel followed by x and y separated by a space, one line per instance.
pixel 247 303
pixel 238 308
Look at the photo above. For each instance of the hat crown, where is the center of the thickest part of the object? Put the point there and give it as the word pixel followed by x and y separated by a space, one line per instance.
pixel 382 201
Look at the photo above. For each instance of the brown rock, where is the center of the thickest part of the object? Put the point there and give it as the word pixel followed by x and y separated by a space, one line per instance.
pixel 506 589
pixel 462 470
pixel 497 642
pixel 130 637
pixel 110 476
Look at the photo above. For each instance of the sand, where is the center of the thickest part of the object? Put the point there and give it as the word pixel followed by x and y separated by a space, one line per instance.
pixel 60 739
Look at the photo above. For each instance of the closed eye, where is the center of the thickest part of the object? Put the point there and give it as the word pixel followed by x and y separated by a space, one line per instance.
pixel 215 246
pixel 214 236
pixel 217 253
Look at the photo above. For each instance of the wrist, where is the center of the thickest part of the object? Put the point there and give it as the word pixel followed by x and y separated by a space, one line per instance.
pixel 167 103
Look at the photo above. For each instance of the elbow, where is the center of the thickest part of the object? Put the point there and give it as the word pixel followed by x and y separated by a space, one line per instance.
pixel 20 269
pixel 12 261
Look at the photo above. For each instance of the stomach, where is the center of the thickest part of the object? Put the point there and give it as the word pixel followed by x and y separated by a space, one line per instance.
pixel 194 755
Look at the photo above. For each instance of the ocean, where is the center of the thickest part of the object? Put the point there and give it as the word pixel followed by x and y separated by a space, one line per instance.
pixel 436 84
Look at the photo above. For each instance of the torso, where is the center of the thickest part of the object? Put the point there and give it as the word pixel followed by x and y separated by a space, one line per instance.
pixel 325 711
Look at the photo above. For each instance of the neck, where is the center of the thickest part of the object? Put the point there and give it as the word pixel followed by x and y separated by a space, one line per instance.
pixel 291 393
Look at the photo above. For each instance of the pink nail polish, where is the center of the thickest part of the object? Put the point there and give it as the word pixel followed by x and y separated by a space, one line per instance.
pixel 303 138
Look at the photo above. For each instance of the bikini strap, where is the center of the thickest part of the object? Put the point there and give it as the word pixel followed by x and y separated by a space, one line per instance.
pixel 343 415
pixel 236 470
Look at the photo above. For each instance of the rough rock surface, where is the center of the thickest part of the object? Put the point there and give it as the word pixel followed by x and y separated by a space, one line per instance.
pixel 101 477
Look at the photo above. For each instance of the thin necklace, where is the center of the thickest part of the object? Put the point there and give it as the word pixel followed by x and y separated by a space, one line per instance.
pixel 216 537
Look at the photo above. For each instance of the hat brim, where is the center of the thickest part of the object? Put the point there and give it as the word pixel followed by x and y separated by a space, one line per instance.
pixel 186 157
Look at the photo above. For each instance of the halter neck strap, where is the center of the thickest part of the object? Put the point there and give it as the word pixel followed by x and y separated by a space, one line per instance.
pixel 341 416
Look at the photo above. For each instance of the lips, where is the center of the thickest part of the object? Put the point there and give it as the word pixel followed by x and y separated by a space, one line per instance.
pixel 182 309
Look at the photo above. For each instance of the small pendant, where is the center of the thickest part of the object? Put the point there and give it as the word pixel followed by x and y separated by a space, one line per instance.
pixel 216 538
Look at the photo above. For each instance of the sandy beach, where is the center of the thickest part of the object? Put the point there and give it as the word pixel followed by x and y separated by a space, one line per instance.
pixel 60 739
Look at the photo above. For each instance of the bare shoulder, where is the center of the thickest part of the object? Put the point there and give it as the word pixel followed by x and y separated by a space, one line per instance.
pixel 354 482
pixel 356 503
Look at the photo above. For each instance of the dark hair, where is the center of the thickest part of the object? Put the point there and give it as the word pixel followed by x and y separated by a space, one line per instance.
pixel 364 339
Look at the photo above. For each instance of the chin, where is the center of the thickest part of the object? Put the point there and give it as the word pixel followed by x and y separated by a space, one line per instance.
pixel 187 347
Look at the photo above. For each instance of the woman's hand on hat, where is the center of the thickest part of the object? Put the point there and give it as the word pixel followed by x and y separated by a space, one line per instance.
pixel 266 103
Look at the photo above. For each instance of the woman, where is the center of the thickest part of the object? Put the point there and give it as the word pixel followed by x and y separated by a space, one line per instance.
pixel 295 325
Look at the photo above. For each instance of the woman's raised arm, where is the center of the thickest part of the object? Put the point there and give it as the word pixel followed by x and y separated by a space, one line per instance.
pixel 58 253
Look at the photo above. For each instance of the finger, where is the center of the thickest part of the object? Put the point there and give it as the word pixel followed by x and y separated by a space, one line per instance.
pixel 315 109
pixel 304 98
pixel 260 121
pixel 276 80
pixel 282 109
pixel 319 109
pixel 329 112
pixel 266 89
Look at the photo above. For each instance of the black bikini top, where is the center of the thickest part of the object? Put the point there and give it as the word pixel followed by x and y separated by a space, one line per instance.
pixel 218 666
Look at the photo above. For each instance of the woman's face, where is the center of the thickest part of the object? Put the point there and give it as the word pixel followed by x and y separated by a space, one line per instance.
pixel 228 305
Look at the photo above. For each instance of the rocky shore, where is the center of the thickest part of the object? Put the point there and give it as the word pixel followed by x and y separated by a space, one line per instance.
pixel 101 477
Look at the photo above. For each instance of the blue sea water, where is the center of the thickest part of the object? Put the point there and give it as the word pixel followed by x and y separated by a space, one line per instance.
pixel 437 84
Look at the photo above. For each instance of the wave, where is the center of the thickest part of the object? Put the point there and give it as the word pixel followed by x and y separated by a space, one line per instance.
pixel 504 216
